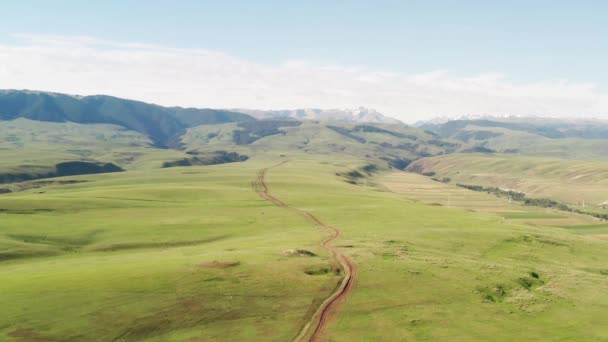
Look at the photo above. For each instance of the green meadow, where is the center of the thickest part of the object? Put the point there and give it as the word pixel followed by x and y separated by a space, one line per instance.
pixel 428 272
pixel 160 255
pixel 194 253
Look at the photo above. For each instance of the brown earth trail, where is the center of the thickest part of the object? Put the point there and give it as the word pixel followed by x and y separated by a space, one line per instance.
pixel 317 323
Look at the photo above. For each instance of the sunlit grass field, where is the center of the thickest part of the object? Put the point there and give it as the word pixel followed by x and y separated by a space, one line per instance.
pixel 580 183
pixel 426 190
pixel 165 254
pixel 195 253
pixel 429 272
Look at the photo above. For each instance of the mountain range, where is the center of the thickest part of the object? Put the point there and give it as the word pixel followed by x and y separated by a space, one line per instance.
pixel 360 114
pixel 373 133
pixel 164 125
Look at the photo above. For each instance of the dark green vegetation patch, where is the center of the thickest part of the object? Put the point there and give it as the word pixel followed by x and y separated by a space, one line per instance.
pixel 361 173
pixel 398 163
pixel 536 202
pixel 211 158
pixel 71 168
pixel 478 149
pixel 374 129
pixel 347 133
pixel 252 131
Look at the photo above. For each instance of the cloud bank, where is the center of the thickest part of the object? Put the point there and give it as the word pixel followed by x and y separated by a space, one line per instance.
pixel 204 78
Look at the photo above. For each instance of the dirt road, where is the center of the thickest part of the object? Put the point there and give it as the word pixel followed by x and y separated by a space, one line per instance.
pixel 317 324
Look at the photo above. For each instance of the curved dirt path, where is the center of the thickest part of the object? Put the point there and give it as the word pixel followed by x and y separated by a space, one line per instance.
pixel 319 319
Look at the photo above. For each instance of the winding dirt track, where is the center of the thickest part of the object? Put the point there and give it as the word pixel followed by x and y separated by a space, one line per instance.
pixel 319 319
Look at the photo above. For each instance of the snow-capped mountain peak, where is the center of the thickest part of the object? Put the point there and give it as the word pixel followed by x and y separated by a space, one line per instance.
pixel 361 114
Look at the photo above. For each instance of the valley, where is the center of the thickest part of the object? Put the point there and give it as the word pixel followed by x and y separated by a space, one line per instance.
pixel 306 171
pixel 281 229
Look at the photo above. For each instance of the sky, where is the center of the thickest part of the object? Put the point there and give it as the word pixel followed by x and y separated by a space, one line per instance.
pixel 413 60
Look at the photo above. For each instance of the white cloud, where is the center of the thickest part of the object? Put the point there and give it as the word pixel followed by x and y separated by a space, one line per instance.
pixel 203 78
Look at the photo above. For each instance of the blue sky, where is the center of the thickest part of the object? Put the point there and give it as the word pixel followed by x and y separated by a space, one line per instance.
pixel 527 41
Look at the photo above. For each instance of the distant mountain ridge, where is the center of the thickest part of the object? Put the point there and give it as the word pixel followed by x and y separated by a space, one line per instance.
pixel 535 136
pixel 357 115
pixel 552 128
pixel 163 125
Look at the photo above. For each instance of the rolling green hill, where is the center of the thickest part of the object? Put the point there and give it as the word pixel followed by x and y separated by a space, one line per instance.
pixel 35 147
pixel 195 254
pixel 39 130
pixel 307 228
pixel 395 144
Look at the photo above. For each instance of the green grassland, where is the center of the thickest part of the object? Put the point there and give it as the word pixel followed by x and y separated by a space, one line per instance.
pixel 575 182
pixel 433 273
pixel 28 146
pixel 426 190
pixel 34 147
pixel 195 254
pixel 160 255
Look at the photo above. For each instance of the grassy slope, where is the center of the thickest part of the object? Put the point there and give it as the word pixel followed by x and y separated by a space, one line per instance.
pixel 34 146
pixel 426 272
pixel 423 189
pixel 121 256
pixel 315 138
pixel 28 146
pixel 565 180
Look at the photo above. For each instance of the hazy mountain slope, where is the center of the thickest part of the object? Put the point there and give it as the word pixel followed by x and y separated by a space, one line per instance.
pixel 360 114
pixel 571 139
pixel 191 117
pixel 547 127
pixel 161 124
pixel 518 142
